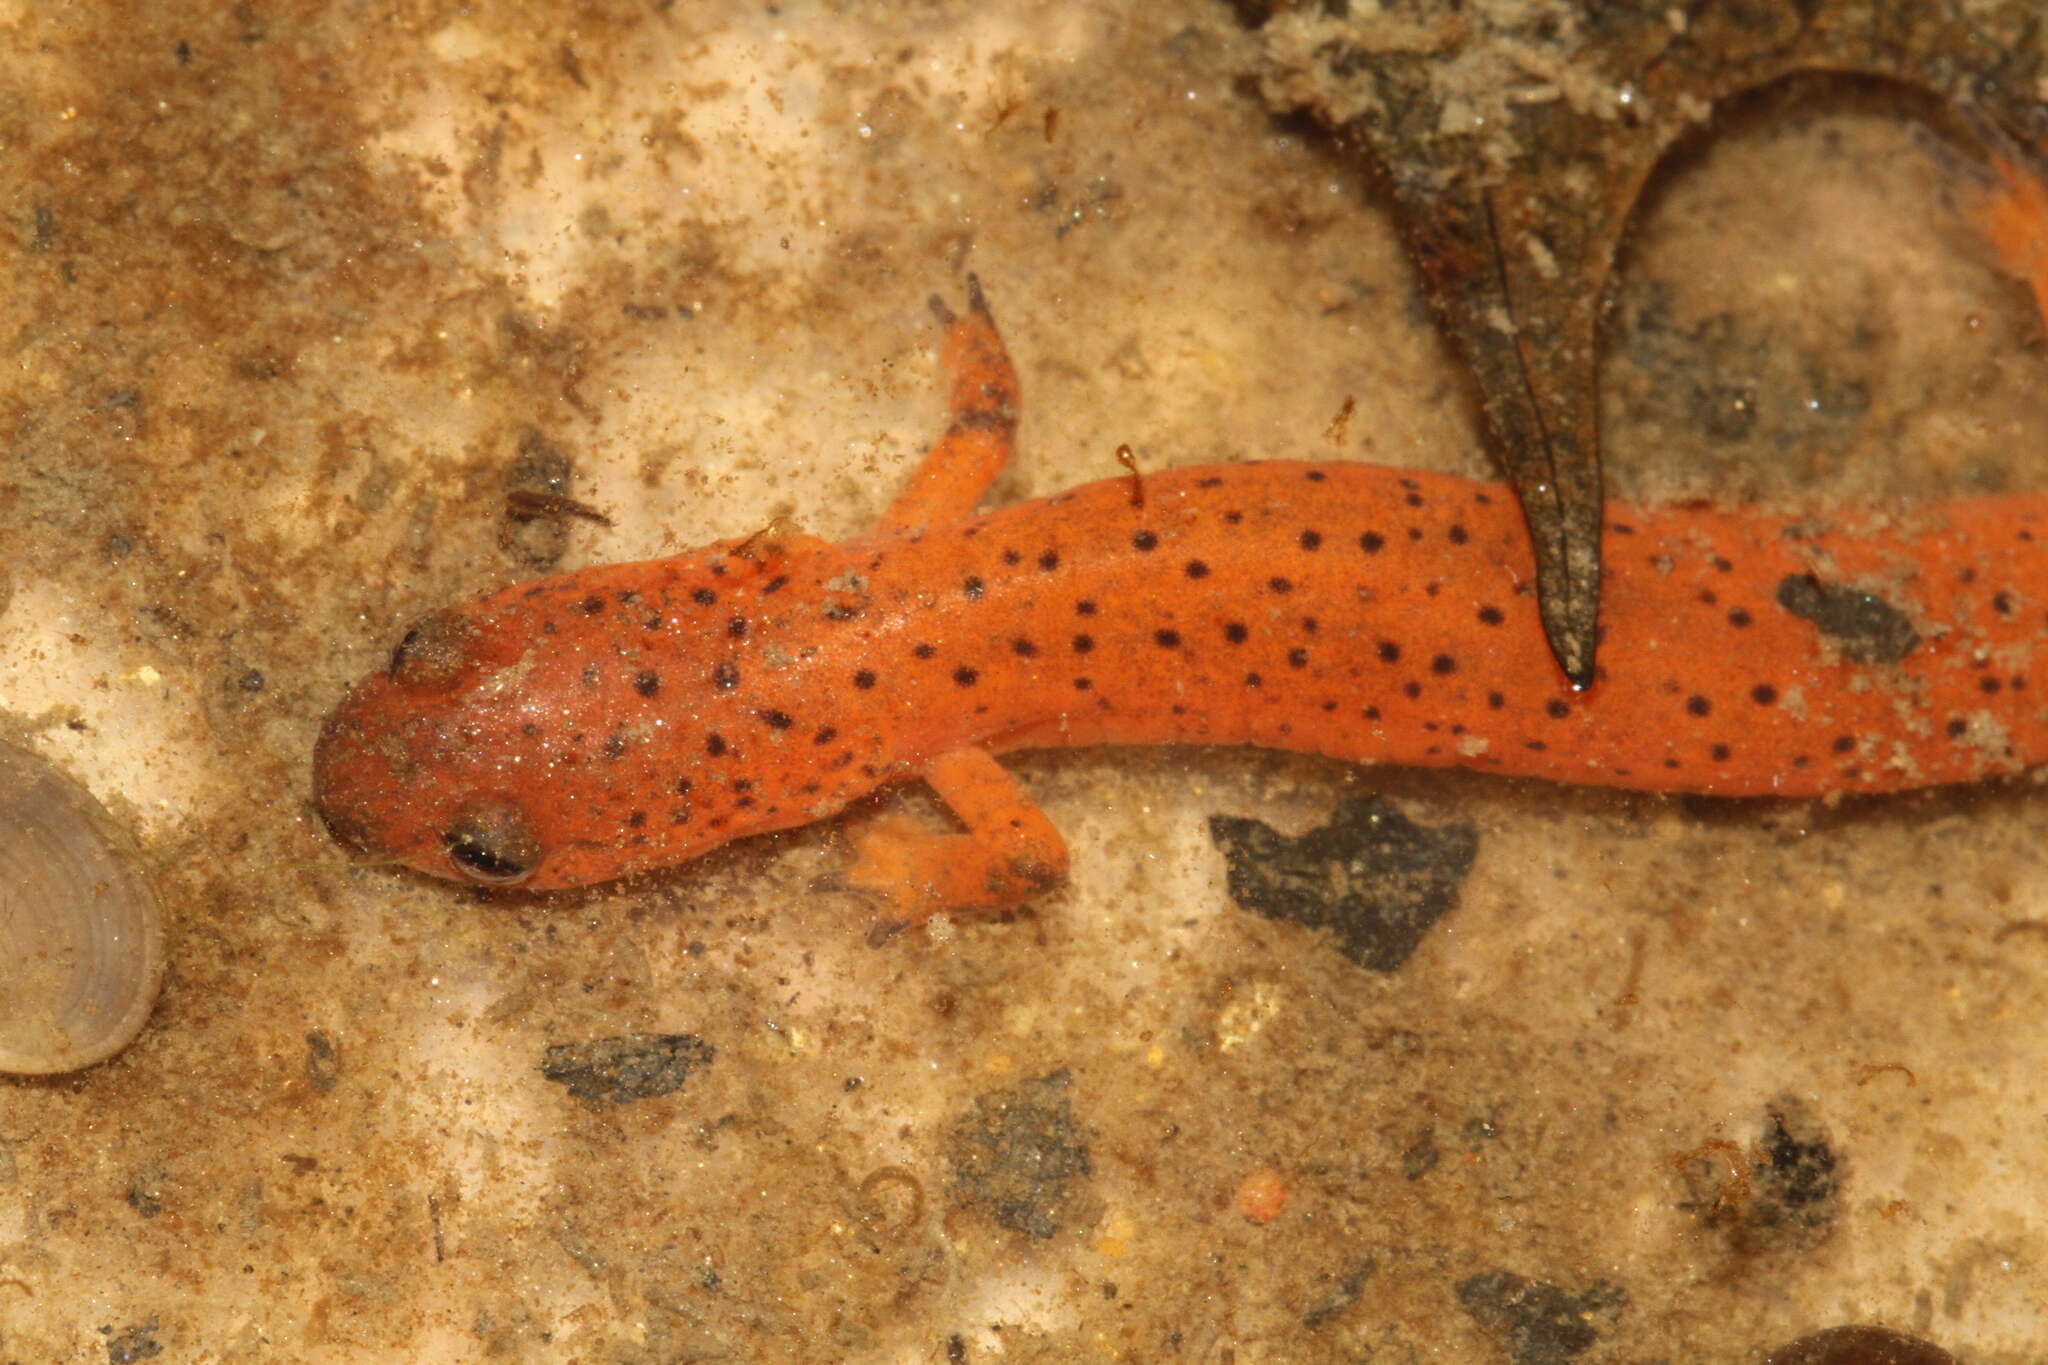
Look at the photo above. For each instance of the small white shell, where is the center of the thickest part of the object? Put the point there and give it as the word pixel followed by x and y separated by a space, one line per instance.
pixel 81 944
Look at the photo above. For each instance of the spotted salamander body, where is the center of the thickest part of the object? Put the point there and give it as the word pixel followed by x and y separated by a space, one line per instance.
pixel 629 717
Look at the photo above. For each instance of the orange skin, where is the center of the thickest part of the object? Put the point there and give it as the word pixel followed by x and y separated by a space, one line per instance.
pixel 630 717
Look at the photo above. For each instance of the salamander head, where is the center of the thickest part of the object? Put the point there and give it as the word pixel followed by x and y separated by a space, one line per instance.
pixel 573 731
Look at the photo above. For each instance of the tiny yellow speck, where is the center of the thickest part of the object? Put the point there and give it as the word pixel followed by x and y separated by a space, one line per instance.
pixel 1116 1236
pixel 1240 1021
pixel 147 676
pixel 1155 1055
pixel 1001 1064
pixel 1832 895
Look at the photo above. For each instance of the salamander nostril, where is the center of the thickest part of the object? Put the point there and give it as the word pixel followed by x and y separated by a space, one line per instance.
pixel 437 652
pixel 491 842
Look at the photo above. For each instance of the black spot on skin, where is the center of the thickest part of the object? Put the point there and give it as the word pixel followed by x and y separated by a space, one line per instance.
pixel 826 734
pixel 636 819
pixel 1196 569
pixel 683 785
pixel 1372 542
pixel 1697 705
pixel 725 677
pixel 2002 603
pixel 591 675
pixel 1722 565
pixel 1413 499
pixel 864 679
pixel 1311 540
pixel 1082 684
pixel 1957 727
pixel 1495 701
pixel 590 606
pixel 973 587
pixel 1011 557
pixel 1739 618
pixel 1389 652
pixel 1415 533
pixel 714 744
pixel 1411 690
pixel 1989 686
pixel 1491 616
pixel 1278 584
pixel 925 651
pixel 1297 658
pixel 1557 708
pixel 1315 476
pixel 1865 627
pixel 1763 694
pixel 614 744
pixel 1233 517
pixel 1144 540
pixel 1719 753
pixel 647 682
pixel 1236 632
pixel 776 584
pixel 1708 597
pixel 1253 680
pixel 965 676
pixel 1372 879
pixel 1049 560
pixel 1023 648
pixel 703 597
pixel 1443 664
pixel 776 720
pixel 1083 643
pixel 737 628
pixel 1844 744
pixel 1458 534
pixel 1166 639
pixel 1084 607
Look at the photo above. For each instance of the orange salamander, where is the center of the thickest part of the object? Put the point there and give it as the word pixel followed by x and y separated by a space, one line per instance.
pixel 628 717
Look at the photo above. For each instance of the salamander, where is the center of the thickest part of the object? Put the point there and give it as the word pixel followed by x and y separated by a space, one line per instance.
pixel 629 717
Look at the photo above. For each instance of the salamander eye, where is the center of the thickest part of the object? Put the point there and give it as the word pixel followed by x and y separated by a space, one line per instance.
pixel 436 653
pixel 492 843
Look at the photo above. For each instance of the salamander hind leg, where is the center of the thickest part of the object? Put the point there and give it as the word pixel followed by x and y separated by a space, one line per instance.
pixel 1010 853
pixel 962 463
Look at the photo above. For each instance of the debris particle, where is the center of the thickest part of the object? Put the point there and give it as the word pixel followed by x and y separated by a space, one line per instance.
pixel 1539 1324
pixel 1019 1155
pixel 1371 876
pixel 620 1070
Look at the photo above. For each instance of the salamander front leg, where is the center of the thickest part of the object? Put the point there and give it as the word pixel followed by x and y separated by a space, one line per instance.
pixel 1009 854
pixel 961 464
